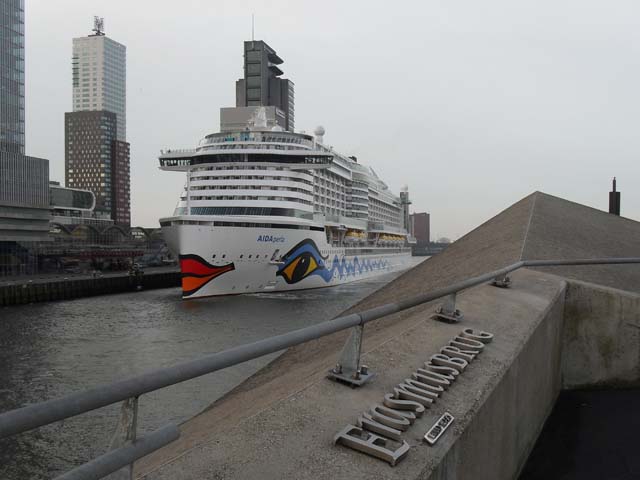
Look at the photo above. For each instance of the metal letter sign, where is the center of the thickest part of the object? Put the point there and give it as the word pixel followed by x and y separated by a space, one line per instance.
pixel 438 428
pixel 379 431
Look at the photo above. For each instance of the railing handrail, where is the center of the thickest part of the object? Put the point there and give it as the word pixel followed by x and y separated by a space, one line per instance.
pixel 114 460
pixel 43 413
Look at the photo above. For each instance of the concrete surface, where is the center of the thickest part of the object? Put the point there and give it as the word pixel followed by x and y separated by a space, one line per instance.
pixel 601 345
pixel 282 422
pixel 563 229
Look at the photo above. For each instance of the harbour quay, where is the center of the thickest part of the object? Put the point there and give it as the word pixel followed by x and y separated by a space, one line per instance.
pixel 24 291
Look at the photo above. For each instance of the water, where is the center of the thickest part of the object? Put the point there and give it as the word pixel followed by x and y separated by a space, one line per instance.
pixel 52 349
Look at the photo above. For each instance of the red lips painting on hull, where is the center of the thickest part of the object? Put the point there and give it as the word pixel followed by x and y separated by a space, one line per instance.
pixel 197 272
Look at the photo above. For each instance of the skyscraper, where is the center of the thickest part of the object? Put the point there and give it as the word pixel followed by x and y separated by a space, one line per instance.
pixel 262 85
pixel 97 155
pixel 99 76
pixel 24 180
pixel 12 76
pixel 88 152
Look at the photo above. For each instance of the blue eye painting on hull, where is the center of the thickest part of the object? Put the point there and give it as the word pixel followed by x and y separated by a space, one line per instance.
pixel 304 260
pixel 301 261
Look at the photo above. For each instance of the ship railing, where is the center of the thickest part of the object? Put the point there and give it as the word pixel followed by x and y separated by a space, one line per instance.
pixel 126 447
pixel 170 151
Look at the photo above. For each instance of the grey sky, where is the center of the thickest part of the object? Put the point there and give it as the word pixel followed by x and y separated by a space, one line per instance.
pixel 472 104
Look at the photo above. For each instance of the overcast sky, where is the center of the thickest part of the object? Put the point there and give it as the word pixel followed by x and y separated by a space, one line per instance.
pixel 472 104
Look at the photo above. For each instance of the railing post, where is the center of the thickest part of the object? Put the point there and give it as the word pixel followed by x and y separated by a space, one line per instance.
pixel 501 281
pixel 348 370
pixel 447 312
pixel 125 434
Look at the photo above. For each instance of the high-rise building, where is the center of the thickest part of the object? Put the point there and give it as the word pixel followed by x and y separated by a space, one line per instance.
pixel 89 138
pixel 97 156
pixel 120 190
pixel 100 77
pixel 12 76
pixel 24 180
pixel 262 85
pixel 421 228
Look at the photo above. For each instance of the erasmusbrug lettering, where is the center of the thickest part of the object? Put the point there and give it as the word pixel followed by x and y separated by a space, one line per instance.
pixel 379 430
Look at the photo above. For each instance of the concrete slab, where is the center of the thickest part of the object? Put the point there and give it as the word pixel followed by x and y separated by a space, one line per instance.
pixel 281 423
pixel 601 340
pixel 563 229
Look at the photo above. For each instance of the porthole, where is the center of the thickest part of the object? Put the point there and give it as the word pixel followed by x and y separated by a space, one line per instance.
pixel 241 256
pixel 224 255
pixel 214 255
pixel 249 257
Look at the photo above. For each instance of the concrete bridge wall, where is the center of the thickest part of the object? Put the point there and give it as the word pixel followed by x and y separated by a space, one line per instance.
pixel 503 431
pixel 601 341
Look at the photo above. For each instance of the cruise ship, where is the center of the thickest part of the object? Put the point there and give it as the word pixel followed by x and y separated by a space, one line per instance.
pixel 268 209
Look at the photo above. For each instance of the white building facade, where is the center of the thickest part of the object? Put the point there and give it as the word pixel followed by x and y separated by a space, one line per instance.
pixel 99 78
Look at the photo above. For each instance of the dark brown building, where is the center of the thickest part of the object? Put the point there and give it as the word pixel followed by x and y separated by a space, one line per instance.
pixel 95 160
pixel 420 227
pixel 120 183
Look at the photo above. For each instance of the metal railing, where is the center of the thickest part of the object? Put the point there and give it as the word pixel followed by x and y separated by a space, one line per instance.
pixel 127 449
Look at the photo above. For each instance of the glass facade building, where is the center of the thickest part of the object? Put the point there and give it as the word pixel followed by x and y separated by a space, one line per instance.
pixel 12 76
pixel 71 198
pixel 24 180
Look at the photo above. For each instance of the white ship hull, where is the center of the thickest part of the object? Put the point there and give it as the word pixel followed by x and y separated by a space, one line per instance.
pixel 232 260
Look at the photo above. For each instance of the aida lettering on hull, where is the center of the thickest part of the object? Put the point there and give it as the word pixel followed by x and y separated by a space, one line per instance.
pixel 379 430
pixel 270 239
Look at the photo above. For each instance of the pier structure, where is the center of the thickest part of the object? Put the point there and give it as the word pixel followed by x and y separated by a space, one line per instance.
pixel 463 398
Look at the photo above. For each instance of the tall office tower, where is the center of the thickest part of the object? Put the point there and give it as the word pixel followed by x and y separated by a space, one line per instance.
pixel 99 76
pixel 24 180
pixel 12 76
pixel 261 85
pixel 97 156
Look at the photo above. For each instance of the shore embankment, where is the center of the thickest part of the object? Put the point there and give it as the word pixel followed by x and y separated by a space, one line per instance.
pixel 48 289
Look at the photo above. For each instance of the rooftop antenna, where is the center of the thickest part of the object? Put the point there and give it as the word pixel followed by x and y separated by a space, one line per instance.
pixel 98 25
pixel 252 27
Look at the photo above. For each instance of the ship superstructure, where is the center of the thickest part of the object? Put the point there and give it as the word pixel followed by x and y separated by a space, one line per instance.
pixel 264 209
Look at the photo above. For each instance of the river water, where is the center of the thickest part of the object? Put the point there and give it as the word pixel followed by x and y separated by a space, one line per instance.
pixel 49 350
